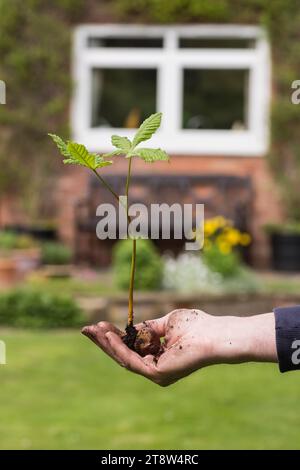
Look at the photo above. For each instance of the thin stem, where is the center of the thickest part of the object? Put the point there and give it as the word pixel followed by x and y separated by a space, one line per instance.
pixel 133 256
pixel 127 186
pixel 131 285
pixel 106 185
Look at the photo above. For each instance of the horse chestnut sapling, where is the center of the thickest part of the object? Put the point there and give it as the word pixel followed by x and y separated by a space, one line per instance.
pixel 144 341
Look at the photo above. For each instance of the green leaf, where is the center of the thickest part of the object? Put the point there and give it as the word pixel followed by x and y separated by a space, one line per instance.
pixel 81 156
pixel 150 155
pixel 61 145
pixel 122 143
pixel 147 129
pixel 114 153
pixel 78 154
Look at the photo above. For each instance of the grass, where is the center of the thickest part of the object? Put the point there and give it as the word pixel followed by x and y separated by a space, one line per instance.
pixel 58 391
pixel 103 285
pixel 286 284
pixel 100 285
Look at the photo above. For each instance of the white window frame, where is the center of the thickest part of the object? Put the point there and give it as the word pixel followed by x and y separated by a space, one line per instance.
pixel 170 60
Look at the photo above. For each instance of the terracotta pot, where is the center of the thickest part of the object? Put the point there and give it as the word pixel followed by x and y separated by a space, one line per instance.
pixel 8 272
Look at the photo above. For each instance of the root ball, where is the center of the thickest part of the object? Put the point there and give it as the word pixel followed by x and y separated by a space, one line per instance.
pixel 147 342
pixel 144 341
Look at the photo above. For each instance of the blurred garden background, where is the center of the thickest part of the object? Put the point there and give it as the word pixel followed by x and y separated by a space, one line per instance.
pixel 221 72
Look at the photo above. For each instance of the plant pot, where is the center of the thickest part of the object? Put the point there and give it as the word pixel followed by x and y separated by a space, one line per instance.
pixel 285 252
pixel 8 272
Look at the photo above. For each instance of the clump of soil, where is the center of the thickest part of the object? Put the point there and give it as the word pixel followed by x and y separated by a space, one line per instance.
pixel 130 336
pixel 144 341
pixel 147 342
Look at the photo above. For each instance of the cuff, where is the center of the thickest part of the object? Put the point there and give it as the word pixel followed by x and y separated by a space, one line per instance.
pixel 287 325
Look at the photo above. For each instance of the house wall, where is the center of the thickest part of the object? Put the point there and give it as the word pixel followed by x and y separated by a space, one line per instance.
pixel 74 185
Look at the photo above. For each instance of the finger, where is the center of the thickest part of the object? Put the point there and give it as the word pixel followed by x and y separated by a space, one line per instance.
pixel 128 358
pixel 106 326
pixel 96 333
pixel 101 342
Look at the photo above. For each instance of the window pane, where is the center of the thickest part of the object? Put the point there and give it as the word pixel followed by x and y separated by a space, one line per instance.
pixel 215 99
pixel 124 42
pixel 223 43
pixel 122 97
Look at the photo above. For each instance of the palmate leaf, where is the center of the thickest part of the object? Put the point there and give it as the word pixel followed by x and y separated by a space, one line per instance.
pixel 150 155
pixel 147 129
pixel 122 143
pixel 78 154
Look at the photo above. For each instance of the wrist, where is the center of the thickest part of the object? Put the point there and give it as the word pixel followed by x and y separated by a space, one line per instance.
pixel 246 339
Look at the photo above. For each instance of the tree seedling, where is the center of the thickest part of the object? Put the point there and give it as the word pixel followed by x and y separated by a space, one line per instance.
pixel 143 341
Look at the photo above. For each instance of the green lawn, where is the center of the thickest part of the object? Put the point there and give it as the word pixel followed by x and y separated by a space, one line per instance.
pixel 59 392
pixel 103 284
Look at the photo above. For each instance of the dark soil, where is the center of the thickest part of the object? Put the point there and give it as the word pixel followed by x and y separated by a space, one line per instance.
pixel 143 342
pixel 130 336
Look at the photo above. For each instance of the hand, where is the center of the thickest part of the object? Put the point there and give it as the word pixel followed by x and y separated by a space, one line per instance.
pixel 192 340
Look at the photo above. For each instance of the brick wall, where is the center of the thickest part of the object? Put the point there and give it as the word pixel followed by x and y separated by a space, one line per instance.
pixel 74 185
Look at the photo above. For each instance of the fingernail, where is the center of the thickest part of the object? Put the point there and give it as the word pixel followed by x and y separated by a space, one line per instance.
pixel 87 331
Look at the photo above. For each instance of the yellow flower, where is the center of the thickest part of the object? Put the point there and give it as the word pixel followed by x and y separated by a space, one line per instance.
pixel 221 221
pixel 245 239
pixel 209 228
pixel 209 225
pixel 214 224
pixel 224 248
pixel 233 236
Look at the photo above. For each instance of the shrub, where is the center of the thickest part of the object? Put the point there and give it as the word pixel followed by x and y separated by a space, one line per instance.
pixel 226 264
pixel 12 241
pixel 32 309
pixel 149 265
pixel 56 253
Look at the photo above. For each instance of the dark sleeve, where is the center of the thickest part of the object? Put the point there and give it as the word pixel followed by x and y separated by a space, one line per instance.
pixel 287 325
